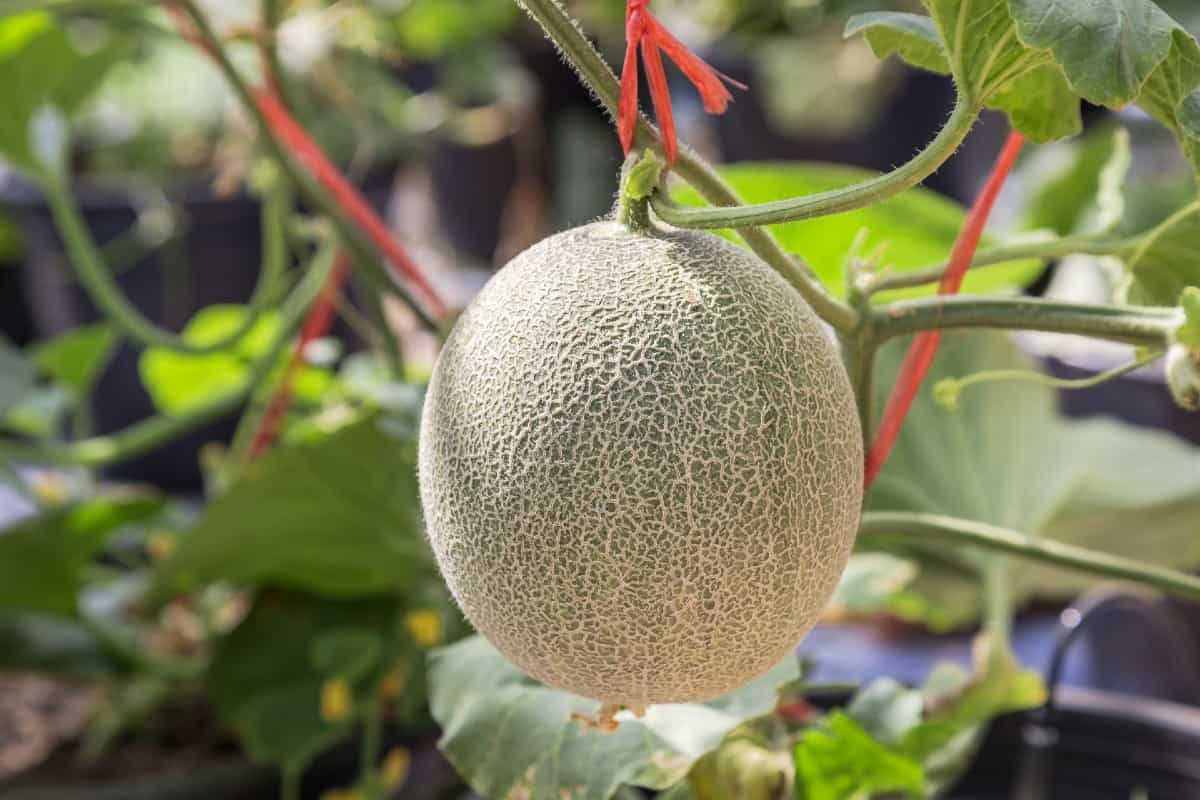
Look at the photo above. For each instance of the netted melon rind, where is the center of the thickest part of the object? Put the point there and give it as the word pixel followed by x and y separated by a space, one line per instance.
pixel 640 464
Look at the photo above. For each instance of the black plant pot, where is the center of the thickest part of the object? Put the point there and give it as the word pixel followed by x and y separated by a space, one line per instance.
pixel 217 260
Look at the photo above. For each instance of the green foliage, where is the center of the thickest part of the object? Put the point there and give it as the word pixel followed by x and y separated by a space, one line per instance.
pixel 52 645
pixel 42 559
pixel 1165 262
pixel 46 80
pixel 913 230
pixel 431 28
pixel 17 377
pixel 1086 193
pixel 509 736
pixel 267 677
pixel 76 358
pixel 840 761
pixel 337 517
pixel 1086 483
pixel 1188 334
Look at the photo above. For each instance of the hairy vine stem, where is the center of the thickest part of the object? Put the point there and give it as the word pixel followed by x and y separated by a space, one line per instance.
pixel 96 277
pixel 882 526
pixel 597 76
pixel 1144 327
pixel 836 201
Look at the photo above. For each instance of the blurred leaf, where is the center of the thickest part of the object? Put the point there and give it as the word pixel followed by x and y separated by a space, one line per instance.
pixel 42 559
pixel 917 228
pixel 349 652
pixel 869 583
pixel 1166 261
pixel 76 358
pixel 51 645
pixel 179 381
pixel 337 517
pixel 1115 52
pixel 1084 482
pixel 46 79
pixel 840 761
pixel 39 413
pixel 266 687
pixel 509 736
pixel 17 377
pixel 428 29
pixel 1087 195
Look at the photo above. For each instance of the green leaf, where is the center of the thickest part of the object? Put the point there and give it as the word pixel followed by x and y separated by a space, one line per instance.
pixel 1188 333
pixel 337 517
pixel 840 761
pixel 39 413
pixel 46 79
pixel 1086 193
pixel 432 28
pixel 178 382
pixel 77 357
pixel 915 229
pixel 1083 482
pixel 1115 52
pixel 17 377
pixel 1166 261
pixel 265 685
pixel 349 652
pixel 975 41
pixel 42 559
pixel 913 37
pixel 508 736
pixel 869 583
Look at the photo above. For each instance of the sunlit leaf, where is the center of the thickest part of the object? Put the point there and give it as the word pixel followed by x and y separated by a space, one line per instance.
pixel 75 359
pixel 913 230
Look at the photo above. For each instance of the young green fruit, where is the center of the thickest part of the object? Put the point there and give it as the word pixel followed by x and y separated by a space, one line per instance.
pixel 641 465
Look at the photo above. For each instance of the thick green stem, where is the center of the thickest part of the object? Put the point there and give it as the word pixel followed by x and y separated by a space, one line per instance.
pixel 145 436
pixel 270 17
pixel 836 201
pixel 598 77
pixel 96 277
pixel 1047 249
pixel 1145 327
pixel 351 234
pixel 997 598
pixel 905 526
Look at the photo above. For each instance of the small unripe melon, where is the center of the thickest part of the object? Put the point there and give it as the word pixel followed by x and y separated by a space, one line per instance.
pixel 640 464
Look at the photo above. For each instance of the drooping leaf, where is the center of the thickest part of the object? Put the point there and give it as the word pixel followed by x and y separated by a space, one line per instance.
pixel 337 517
pixel 840 761
pixel 42 559
pixel 509 736
pixel 1166 261
pixel 39 413
pixel 77 357
pixel 1084 482
pixel 914 37
pixel 17 377
pixel 1040 104
pixel 915 229
pixel 1086 193
pixel 265 684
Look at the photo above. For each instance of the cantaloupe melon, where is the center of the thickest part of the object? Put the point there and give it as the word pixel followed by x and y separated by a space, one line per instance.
pixel 640 464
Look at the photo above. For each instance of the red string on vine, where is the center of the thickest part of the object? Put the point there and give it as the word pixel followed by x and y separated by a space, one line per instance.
pixel 644 31
pixel 924 346
pixel 317 324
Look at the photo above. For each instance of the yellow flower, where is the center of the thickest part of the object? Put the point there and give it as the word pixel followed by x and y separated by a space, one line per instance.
pixel 336 700
pixel 160 545
pixel 393 683
pixel 425 627
pixel 395 768
pixel 342 794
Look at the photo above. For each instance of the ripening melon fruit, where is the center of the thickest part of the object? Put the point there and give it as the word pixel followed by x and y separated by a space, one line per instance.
pixel 640 464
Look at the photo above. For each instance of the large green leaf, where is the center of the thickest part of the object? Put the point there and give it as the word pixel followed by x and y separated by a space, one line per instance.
pixel 42 559
pixel 77 357
pixel 509 736
pixel 917 228
pixel 337 517
pixel 266 678
pixel 1115 52
pixel 840 761
pixel 1085 482
pixel 1081 189
pixel 1166 262
pixel 913 37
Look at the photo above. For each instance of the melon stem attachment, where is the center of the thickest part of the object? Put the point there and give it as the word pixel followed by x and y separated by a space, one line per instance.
pixel 640 178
